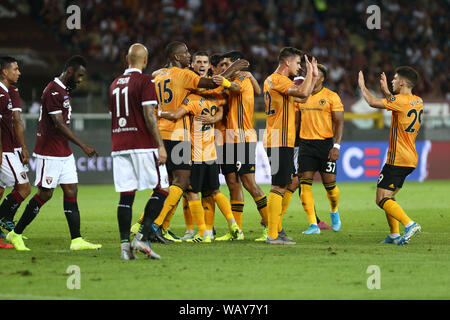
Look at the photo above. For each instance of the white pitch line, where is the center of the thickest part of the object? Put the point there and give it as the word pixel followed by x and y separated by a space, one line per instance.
pixel 29 296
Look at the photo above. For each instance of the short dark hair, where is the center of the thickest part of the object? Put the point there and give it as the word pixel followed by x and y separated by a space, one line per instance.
pixel 288 52
pixel 201 54
pixel 171 48
pixel 233 55
pixel 409 74
pixel 324 70
pixel 75 62
pixel 214 59
pixel 5 62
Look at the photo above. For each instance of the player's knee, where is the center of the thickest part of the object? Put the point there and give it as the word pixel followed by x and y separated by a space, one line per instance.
pixel 382 200
pixel 45 194
pixel 24 189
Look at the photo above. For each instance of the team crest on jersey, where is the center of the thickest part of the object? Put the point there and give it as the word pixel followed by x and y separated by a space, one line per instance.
pixel 322 102
pixel 10 106
pixel 49 180
pixel 122 122
pixel 66 104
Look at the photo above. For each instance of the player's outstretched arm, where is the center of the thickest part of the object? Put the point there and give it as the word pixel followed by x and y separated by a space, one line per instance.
pixel 173 114
pixel 221 81
pixel 255 84
pixel 238 65
pixel 66 132
pixel 152 126
pixel 371 100
pixel 19 132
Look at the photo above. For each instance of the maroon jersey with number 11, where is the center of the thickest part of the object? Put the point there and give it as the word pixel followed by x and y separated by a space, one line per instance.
pixel 128 94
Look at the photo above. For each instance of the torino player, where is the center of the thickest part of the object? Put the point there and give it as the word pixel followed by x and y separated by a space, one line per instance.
pixel 11 168
pixel 13 200
pixel 138 151
pixel 55 163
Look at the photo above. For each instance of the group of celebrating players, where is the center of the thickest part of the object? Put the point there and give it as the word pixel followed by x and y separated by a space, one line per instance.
pixel 177 130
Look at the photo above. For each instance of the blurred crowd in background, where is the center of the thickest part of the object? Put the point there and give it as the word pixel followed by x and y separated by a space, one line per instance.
pixel 412 33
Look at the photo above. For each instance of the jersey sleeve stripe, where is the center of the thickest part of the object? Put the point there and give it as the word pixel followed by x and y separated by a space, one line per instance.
pixel 150 102
pixel 55 112
pixel 16 109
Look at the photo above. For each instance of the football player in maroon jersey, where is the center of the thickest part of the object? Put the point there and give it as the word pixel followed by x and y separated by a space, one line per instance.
pixel 55 163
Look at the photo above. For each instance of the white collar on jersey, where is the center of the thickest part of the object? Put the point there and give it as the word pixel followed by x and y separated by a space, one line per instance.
pixel 4 87
pixel 60 83
pixel 132 70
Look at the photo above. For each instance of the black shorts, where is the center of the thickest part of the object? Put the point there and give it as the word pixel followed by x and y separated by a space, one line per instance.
pixel 179 155
pixel 313 156
pixel 392 177
pixel 281 165
pixel 204 177
pixel 239 157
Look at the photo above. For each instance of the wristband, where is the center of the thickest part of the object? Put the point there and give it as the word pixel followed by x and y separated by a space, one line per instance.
pixel 337 146
pixel 226 83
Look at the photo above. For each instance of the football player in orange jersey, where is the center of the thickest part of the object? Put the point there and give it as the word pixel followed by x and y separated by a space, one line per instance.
pixel 402 159
pixel 205 170
pixel 321 130
pixel 240 144
pixel 173 84
pixel 279 135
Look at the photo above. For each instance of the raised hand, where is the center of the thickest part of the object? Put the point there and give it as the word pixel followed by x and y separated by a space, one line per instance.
pixel 315 69
pixel 218 80
pixel 361 82
pixel 384 85
pixel 308 64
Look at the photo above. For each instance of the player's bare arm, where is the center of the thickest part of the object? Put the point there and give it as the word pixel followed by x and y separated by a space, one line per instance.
pixel 373 101
pixel 209 119
pixel 255 84
pixel 384 86
pixel 152 126
pixel 173 114
pixel 65 130
pixel 338 122
pixel 231 86
pixel 19 132
pixel 238 65
pixel 300 100
pixel 304 90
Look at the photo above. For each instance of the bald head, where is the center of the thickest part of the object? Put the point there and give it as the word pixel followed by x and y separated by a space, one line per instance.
pixel 137 56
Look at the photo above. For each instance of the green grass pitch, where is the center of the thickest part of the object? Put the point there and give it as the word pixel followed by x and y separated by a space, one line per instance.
pixel 326 266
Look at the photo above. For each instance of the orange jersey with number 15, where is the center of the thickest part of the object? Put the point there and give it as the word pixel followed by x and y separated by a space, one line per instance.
pixel 172 87
pixel 407 113
pixel 280 113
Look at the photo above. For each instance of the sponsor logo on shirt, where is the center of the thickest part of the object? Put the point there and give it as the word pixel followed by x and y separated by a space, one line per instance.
pixel 66 104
